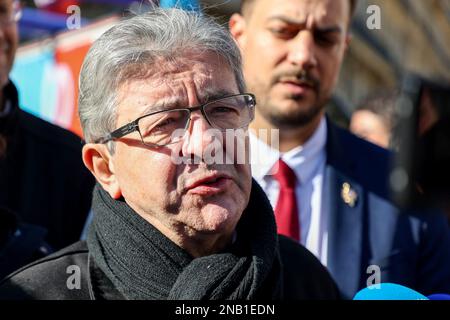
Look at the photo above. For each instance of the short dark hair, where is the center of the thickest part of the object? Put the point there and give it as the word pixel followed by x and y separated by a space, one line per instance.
pixel 246 5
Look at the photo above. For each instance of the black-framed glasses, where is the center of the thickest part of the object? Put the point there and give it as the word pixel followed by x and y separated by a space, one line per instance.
pixel 166 127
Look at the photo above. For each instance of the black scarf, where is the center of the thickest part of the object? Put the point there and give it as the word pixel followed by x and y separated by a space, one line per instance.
pixel 144 264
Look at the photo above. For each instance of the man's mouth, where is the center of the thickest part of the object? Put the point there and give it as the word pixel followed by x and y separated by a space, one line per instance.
pixel 209 185
pixel 297 87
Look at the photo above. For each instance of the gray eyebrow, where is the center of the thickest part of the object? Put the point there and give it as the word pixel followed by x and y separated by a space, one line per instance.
pixel 174 102
pixel 215 94
pixel 166 104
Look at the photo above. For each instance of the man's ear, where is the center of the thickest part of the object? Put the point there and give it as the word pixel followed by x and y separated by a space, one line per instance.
pixel 98 160
pixel 237 26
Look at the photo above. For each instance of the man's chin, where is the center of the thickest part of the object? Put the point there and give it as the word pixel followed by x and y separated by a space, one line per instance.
pixel 218 223
pixel 293 103
pixel 292 116
pixel 220 215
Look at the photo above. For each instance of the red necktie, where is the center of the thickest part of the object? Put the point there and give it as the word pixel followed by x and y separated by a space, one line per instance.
pixel 286 210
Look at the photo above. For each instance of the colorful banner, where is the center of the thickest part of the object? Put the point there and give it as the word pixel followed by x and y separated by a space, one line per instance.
pixel 46 74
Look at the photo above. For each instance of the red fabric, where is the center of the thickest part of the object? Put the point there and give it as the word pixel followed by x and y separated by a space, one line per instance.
pixel 60 6
pixel 286 210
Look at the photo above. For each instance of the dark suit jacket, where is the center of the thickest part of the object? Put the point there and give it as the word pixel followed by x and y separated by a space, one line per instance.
pixel 42 177
pixel 411 249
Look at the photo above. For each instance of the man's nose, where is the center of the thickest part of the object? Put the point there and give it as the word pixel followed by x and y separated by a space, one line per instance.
pixel 198 137
pixel 302 50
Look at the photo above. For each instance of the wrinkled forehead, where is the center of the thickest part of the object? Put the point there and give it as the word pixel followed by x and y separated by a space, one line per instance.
pixel 203 73
pixel 317 12
pixel 178 82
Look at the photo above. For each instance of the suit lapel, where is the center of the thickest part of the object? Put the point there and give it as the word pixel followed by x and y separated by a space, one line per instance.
pixel 345 203
pixel 345 229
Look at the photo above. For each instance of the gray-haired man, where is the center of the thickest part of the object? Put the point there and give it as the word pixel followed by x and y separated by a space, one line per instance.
pixel 154 89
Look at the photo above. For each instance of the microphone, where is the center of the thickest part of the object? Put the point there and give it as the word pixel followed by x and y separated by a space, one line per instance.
pixel 439 296
pixel 388 291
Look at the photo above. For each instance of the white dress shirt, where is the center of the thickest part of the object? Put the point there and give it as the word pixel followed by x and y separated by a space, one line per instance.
pixel 308 162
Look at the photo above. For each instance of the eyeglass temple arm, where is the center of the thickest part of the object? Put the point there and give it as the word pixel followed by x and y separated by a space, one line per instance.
pixel 119 133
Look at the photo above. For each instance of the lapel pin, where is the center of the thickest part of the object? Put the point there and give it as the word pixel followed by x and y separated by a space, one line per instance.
pixel 349 195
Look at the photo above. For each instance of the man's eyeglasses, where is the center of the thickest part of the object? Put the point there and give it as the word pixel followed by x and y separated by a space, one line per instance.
pixel 9 17
pixel 165 127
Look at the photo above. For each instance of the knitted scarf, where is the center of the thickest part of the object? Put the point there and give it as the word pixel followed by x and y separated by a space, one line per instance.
pixel 142 263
